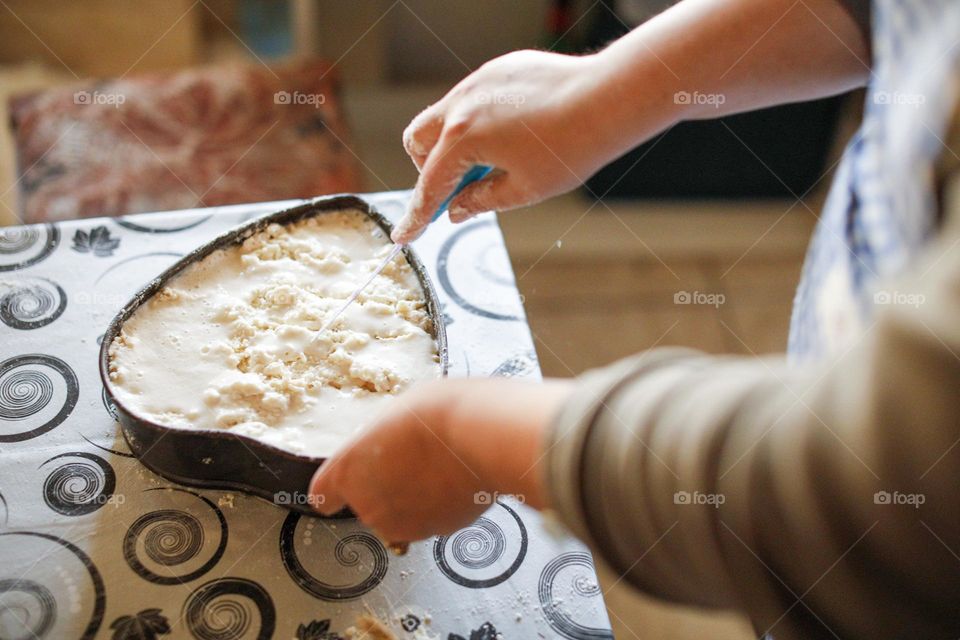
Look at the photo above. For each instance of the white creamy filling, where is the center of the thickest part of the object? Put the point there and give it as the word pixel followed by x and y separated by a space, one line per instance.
pixel 232 342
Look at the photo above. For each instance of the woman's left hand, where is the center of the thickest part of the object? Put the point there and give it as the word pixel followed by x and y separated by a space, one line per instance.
pixel 434 462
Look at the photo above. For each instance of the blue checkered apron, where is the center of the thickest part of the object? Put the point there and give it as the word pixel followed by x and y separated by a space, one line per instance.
pixel 882 208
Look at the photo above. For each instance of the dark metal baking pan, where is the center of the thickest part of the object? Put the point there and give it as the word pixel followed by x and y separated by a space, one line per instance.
pixel 215 459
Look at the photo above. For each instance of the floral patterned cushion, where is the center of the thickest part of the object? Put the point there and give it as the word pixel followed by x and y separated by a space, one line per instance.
pixel 202 137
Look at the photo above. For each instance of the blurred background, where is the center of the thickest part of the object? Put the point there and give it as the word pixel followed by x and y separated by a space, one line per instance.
pixel 723 208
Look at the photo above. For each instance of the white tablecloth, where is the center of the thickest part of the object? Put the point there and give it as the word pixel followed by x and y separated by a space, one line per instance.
pixel 92 544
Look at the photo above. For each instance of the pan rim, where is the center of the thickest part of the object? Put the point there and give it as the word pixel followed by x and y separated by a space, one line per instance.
pixel 230 238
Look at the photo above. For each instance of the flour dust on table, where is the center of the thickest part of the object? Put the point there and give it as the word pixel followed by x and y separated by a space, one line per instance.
pixel 94 545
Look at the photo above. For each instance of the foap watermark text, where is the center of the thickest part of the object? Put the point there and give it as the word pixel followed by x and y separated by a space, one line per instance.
pixel 900 298
pixel 487 498
pixel 509 99
pixel 896 498
pixel 714 100
pixel 290 498
pixel 699 297
pixel 699 498
pixel 98 98
pixel 897 98
pixel 298 97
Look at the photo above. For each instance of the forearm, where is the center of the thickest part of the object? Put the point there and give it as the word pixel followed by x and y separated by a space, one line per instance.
pixel 497 431
pixel 708 58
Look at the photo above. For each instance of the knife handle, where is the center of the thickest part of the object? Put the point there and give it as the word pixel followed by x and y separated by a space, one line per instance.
pixel 473 174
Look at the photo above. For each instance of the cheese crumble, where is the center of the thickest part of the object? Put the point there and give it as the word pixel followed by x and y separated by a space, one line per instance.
pixel 233 341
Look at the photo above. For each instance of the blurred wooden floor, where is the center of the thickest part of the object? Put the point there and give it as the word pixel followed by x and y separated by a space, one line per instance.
pixel 610 287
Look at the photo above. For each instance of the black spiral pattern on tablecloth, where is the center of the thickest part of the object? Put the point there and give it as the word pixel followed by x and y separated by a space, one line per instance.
pixel 555 608
pixel 125 454
pixel 45 606
pixel 32 303
pixel 130 225
pixel 122 263
pixel 170 538
pixel 25 392
pixel 345 553
pixel 223 609
pixel 443 274
pixel 479 546
pixel 79 487
pixel 17 240
pixel 99 595
pixel 175 538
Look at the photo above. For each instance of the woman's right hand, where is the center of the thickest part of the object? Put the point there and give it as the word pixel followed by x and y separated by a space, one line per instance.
pixel 537 117
pixel 548 121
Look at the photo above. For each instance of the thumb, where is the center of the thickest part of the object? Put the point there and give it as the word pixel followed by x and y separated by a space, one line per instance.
pixel 324 498
pixel 498 192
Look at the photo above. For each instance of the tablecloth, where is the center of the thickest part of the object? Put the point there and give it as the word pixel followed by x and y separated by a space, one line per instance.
pixel 93 545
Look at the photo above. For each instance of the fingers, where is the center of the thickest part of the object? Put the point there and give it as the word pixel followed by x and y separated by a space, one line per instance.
pixel 323 494
pixel 421 135
pixel 498 192
pixel 391 526
pixel 441 173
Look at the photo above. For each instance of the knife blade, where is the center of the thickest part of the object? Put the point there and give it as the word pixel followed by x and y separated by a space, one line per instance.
pixel 475 173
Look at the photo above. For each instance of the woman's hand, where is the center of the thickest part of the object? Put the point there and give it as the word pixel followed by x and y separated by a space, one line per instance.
pixel 548 121
pixel 422 467
pixel 534 116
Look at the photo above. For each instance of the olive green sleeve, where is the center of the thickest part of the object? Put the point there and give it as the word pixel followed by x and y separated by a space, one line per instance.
pixel 820 501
